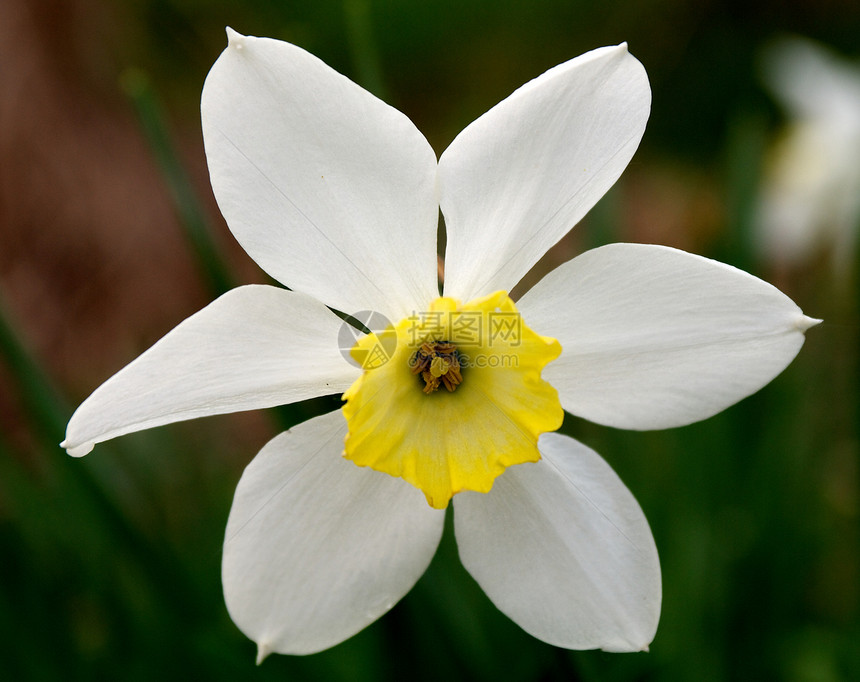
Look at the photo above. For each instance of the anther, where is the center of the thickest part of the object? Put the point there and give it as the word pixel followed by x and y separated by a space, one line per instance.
pixel 438 363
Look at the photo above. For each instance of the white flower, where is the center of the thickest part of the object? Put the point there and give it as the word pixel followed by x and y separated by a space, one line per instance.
pixel 810 196
pixel 337 195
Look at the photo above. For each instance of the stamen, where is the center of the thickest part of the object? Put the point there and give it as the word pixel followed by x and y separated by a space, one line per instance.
pixel 438 363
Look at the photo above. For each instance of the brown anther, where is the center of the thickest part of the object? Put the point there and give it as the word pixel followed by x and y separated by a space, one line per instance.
pixel 438 363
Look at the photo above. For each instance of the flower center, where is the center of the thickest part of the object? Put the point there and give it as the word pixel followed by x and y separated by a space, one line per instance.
pixel 489 417
pixel 438 363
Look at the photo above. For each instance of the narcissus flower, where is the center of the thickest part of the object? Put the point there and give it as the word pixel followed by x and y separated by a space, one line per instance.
pixel 337 195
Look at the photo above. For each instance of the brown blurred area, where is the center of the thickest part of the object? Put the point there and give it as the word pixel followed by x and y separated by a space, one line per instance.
pixel 93 265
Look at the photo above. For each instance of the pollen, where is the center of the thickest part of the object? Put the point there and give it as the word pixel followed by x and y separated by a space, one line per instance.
pixel 438 363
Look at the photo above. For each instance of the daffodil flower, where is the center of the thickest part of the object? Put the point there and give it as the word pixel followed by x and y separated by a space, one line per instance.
pixel 337 195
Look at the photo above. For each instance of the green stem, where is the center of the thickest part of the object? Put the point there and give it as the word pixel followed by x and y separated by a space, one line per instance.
pixel 365 57
pixel 48 414
pixel 136 85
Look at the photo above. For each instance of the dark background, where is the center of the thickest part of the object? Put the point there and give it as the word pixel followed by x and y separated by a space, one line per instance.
pixel 109 236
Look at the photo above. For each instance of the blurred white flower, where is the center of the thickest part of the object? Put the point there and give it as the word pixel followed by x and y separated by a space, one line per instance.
pixel 810 195
pixel 337 195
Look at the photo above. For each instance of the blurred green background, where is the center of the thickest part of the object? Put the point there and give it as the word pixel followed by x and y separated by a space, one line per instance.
pixel 109 236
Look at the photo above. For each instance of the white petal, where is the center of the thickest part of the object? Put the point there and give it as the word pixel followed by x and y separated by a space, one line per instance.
pixel 329 189
pixel 317 548
pixel 255 346
pixel 653 337
pixel 519 177
pixel 563 549
pixel 810 196
pixel 813 82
